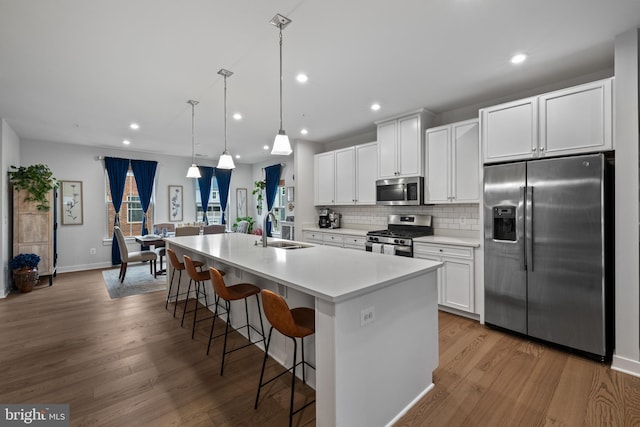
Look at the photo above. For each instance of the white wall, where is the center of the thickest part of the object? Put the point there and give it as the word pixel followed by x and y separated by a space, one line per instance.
pixel 9 155
pixel 72 162
pixel 286 174
pixel 627 310
pixel 306 213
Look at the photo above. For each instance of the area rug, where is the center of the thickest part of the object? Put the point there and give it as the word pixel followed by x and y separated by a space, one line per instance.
pixel 137 281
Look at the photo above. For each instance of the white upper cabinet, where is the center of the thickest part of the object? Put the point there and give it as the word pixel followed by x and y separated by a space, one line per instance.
pixel 366 173
pixel 452 159
pixel 510 131
pixel 569 121
pixel 400 145
pixel 347 176
pixel 324 178
pixel 576 120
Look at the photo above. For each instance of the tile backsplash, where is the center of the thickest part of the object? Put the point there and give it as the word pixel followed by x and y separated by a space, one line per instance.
pixel 457 220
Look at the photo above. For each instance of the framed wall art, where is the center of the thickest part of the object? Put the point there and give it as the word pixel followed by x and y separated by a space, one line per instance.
pixel 71 200
pixel 175 203
pixel 241 202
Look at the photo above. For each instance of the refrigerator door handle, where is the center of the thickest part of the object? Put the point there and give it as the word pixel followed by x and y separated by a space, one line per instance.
pixel 521 229
pixel 528 212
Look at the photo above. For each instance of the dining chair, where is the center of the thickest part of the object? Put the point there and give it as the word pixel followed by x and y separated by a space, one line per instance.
pixel 160 250
pixel 127 257
pixel 243 227
pixel 188 230
pixel 214 229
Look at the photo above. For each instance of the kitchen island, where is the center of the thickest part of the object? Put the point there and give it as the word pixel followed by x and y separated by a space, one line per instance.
pixel 376 341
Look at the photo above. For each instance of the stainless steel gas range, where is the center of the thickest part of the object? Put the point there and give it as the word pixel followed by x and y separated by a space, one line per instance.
pixel 397 239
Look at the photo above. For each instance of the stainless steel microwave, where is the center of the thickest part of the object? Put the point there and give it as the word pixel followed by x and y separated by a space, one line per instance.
pixel 399 191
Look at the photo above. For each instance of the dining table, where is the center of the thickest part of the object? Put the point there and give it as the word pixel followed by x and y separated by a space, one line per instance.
pixel 157 241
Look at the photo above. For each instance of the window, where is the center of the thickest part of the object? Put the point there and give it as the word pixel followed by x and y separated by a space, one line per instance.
pixel 280 207
pixel 214 211
pixel 131 209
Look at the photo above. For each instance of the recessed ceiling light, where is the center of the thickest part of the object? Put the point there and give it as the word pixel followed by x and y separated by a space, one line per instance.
pixel 237 156
pixel 519 58
pixel 266 147
pixel 302 78
pixel 375 106
pixel 126 142
pixel 304 131
pixel 134 126
pixel 237 116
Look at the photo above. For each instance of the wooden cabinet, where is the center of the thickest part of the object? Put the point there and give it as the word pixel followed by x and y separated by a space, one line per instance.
pixel 456 283
pixel 353 174
pixel 569 121
pixel 400 145
pixel 324 178
pixel 33 231
pixel 452 159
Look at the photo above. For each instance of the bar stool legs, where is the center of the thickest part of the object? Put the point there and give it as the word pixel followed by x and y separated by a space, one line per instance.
pixel 228 294
pixel 295 323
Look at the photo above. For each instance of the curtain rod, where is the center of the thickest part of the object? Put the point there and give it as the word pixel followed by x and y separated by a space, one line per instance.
pixel 281 165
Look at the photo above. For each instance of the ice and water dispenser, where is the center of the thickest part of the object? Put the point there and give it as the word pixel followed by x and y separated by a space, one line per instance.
pixel 504 223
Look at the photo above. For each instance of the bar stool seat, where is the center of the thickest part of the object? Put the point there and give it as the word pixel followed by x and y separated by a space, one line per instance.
pixel 293 323
pixel 241 291
pixel 179 267
pixel 199 277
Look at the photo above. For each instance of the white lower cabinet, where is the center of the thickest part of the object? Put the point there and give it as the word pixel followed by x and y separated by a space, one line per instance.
pixel 456 281
pixel 338 240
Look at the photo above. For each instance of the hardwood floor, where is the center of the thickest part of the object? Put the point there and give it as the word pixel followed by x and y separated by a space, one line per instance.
pixel 128 362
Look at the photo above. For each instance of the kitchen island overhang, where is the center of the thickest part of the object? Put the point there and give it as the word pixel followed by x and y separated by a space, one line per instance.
pixel 368 372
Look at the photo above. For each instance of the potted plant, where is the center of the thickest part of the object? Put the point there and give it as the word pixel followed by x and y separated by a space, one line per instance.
pixel 25 271
pixel 36 180
pixel 259 187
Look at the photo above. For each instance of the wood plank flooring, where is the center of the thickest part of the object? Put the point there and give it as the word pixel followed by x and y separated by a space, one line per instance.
pixel 128 362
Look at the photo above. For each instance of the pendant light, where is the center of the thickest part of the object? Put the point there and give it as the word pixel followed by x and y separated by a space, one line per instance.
pixel 193 171
pixel 226 161
pixel 281 145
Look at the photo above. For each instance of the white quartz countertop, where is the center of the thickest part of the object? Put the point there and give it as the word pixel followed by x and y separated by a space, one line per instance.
pixel 349 231
pixel 329 273
pixel 449 240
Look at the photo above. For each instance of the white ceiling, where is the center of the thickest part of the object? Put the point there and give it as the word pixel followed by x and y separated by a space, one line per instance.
pixel 78 71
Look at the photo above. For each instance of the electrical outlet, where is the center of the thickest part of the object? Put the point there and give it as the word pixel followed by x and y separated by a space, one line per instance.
pixel 92 251
pixel 367 315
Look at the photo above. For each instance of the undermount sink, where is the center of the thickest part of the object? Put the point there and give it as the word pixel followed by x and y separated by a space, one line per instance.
pixel 286 244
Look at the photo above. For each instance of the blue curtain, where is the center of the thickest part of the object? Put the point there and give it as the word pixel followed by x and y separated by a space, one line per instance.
pixel 272 175
pixel 117 171
pixel 144 172
pixel 204 182
pixel 223 176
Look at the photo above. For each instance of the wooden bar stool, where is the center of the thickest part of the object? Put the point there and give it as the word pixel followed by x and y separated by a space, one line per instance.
pixel 177 266
pixel 293 323
pixel 199 277
pixel 228 294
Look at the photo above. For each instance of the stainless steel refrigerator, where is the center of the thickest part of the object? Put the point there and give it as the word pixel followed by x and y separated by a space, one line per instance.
pixel 547 238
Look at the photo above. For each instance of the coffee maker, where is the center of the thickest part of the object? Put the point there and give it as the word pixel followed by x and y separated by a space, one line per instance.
pixel 334 220
pixel 323 220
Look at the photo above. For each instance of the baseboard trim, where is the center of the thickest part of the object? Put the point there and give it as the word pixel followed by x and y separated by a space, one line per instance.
pixel 83 267
pixel 410 405
pixel 627 366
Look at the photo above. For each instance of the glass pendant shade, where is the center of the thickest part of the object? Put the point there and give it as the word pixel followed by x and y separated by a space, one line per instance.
pixel 281 145
pixel 226 161
pixel 193 172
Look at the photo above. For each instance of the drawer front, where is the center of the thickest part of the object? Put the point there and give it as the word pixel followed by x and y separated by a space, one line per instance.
pixel 354 242
pixel 332 239
pixel 443 250
pixel 312 236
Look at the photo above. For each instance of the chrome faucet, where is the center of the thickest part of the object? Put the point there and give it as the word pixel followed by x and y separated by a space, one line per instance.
pixel 264 226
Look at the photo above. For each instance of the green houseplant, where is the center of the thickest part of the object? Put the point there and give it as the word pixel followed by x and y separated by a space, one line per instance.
pixel 37 180
pixel 258 189
pixel 25 271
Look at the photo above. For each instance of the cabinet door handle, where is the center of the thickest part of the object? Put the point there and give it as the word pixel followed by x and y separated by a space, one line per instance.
pixel 534 149
pixel 541 148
